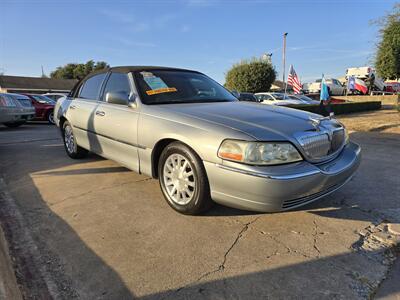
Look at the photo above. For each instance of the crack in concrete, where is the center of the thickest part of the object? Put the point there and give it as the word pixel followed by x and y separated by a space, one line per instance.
pixel 315 234
pixel 221 267
pixel 377 240
pixel 288 249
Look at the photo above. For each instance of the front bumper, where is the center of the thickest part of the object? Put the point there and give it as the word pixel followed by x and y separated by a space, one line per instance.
pixel 278 188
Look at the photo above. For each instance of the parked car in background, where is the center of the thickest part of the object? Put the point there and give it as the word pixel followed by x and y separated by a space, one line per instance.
pixel 334 85
pixel 55 96
pixel 305 99
pixel 392 86
pixel 281 99
pixel 248 97
pixel 203 144
pixel 15 109
pixel 44 107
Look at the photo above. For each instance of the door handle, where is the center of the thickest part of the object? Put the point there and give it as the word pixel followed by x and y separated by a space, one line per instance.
pixel 72 106
pixel 100 113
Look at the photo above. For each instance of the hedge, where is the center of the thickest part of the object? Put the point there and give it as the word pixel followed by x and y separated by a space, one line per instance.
pixel 341 108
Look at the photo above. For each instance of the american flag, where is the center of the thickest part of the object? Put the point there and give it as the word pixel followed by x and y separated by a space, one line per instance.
pixel 293 80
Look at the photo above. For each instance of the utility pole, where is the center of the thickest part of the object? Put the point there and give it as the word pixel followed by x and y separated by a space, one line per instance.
pixel 43 72
pixel 284 57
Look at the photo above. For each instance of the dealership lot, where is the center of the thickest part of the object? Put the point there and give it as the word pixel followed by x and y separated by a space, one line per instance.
pixel 93 229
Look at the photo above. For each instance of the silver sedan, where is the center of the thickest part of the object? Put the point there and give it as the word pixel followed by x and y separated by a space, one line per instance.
pixel 203 144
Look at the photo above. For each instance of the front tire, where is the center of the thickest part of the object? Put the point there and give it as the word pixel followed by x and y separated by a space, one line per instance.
pixel 71 147
pixel 183 180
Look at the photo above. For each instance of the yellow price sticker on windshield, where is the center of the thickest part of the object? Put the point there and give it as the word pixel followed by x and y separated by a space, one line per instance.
pixel 160 91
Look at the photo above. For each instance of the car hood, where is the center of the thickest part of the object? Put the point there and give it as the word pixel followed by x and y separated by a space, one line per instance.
pixel 260 121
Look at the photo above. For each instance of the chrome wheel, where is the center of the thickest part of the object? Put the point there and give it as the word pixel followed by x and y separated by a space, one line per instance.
pixel 69 139
pixel 179 179
pixel 51 118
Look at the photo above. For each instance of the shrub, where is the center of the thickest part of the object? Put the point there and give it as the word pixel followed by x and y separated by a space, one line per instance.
pixel 253 76
pixel 342 108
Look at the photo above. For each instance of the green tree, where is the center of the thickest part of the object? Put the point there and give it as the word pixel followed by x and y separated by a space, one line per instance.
pixel 78 71
pixel 255 75
pixel 387 60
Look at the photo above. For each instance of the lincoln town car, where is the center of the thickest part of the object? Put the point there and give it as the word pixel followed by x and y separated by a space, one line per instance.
pixel 202 144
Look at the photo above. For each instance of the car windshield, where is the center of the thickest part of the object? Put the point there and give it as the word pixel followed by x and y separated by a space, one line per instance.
pixel 170 86
pixel 43 99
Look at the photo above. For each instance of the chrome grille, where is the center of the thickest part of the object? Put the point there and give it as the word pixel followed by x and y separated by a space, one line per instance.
pixel 315 145
pixel 319 145
pixel 337 140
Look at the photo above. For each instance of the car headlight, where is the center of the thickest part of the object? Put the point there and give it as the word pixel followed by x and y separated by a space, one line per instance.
pixel 258 153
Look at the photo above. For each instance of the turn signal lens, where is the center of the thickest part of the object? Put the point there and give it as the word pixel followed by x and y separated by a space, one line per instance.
pixel 258 153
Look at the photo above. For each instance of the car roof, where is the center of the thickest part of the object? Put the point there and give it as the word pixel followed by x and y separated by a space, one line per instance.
pixel 16 95
pixel 128 69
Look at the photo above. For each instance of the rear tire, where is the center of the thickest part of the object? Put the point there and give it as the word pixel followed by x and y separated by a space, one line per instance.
pixel 71 147
pixel 50 117
pixel 183 180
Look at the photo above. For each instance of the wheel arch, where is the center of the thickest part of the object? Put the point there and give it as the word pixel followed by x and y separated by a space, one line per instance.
pixel 158 149
pixel 61 122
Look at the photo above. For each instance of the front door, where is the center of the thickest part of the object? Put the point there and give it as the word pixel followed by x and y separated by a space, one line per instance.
pixel 116 124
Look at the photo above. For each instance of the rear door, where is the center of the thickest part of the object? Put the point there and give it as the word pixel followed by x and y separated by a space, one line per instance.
pixel 116 124
pixel 81 112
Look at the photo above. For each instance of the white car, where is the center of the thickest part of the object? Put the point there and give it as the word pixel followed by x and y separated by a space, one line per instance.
pixel 334 85
pixel 282 99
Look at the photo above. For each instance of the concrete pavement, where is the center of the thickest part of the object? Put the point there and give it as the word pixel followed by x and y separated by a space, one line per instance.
pixel 103 232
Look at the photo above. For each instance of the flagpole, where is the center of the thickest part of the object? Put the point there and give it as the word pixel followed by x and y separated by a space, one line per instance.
pixel 284 59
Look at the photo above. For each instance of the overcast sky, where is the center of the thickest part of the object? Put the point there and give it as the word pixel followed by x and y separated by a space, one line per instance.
pixel 205 35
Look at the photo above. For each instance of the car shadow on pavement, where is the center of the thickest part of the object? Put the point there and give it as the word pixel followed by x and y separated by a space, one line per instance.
pixel 47 252
pixel 344 276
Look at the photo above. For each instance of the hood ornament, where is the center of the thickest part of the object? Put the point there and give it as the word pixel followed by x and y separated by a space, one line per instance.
pixel 316 122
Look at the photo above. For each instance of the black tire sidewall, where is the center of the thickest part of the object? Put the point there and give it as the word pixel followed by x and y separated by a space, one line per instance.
pixel 78 151
pixel 201 199
pixel 48 117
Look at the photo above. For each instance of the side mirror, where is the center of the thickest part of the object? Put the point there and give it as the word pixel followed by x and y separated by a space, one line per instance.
pixel 117 98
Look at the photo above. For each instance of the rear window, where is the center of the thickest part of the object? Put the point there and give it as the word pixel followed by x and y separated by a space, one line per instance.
pixel 91 87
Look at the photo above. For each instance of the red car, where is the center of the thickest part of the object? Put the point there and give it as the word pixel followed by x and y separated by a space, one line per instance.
pixel 44 107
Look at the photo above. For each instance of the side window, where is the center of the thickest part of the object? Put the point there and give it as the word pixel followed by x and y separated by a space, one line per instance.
pixel 268 97
pixel 91 88
pixel 117 83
